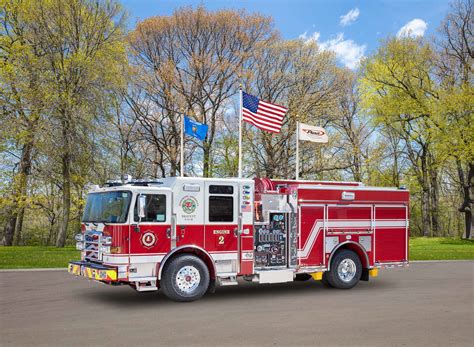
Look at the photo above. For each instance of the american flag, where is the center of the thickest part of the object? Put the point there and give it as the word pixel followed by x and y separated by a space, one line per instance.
pixel 263 115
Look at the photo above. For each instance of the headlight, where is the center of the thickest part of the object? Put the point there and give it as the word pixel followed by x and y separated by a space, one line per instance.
pixel 105 249
pixel 79 237
pixel 79 246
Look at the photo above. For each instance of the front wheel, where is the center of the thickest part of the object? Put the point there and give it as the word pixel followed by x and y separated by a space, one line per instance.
pixel 185 278
pixel 346 270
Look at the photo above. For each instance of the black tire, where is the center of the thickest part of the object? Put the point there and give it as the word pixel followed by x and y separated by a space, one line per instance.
pixel 169 279
pixel 325 281
pixel 302 277
pixel 335 279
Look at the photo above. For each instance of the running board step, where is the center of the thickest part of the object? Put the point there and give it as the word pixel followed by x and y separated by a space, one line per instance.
pixel 146 287
pixel 275 276
pixel 228 281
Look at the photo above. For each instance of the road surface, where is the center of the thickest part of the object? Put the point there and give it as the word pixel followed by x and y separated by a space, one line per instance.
pixel 427 304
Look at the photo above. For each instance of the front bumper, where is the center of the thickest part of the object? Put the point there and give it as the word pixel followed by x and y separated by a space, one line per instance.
pixel 93 271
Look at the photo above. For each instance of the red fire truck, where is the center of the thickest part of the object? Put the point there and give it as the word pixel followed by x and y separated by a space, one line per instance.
pixel 188 235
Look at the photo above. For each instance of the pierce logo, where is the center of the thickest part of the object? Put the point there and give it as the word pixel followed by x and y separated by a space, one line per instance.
pixel 148 239
pixel 314 132
pixel 189 204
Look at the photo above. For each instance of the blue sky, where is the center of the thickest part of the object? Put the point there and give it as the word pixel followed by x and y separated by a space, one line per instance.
pixel 351 37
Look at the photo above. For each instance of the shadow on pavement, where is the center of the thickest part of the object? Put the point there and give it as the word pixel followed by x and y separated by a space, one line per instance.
pixel 125 296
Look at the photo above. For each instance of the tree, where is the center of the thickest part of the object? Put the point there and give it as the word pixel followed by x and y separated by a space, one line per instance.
pixel 191 61
pixel 24 98
pixel 399 89
pixel 80 43
pixel 355 129
pixel 454 69
pixel 300 76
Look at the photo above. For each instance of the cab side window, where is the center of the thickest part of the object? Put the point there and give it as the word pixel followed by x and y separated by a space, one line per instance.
pixel 221 203
pixel 155 208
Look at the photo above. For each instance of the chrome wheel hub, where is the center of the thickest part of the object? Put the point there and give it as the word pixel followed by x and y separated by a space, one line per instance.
pixel 188 278
pixel 346 270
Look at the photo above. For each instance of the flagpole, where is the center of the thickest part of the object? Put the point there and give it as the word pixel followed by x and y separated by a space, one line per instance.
pixel 181 169
pixel 297 150
pixel 240 133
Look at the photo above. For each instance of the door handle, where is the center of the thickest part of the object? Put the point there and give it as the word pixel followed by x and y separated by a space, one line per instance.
pixel 168 233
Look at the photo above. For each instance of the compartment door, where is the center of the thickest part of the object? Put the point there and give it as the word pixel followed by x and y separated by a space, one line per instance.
pixel 221 236
pixel 391 233
pixel 311 235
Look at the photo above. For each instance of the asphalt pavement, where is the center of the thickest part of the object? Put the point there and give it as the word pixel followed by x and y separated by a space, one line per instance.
pixel 427 304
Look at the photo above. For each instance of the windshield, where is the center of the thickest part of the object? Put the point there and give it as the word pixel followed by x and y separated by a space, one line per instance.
pixel 107 207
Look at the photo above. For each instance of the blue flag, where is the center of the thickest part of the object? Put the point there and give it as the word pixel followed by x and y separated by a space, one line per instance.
pixel 195 129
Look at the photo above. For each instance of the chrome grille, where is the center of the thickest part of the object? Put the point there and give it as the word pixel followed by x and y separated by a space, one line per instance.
pixel 92 243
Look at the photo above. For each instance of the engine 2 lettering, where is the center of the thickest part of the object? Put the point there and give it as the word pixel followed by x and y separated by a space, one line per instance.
pixel 221 232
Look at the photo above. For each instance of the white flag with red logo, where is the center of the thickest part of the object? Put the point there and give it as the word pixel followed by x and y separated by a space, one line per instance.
pixel 312 133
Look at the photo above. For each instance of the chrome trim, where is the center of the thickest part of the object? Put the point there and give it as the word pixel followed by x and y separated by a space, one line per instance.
pixel 188 279
pixel 299 236
pixel 173 231
pixel 406 232
pixel 346 270
pixel 349 232
pixel 325 231
pixel 165 259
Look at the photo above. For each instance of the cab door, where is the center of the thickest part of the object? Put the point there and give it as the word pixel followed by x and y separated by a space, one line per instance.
pixel 150 236
pixel 222 223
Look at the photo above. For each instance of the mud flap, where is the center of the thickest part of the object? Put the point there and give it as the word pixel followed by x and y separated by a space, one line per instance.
pixel 212 287
pixel 365 275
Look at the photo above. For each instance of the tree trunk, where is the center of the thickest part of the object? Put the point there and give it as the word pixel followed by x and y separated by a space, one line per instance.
pixel 357 167
pixel 9 231
pixel 66 188
pixel 19 226
pixel 468 223
pixel 206 160
pixel 25 170
pixel 467 187
pixel 15 224
pixel 434 200
pixel 425 198
pixel 425 212
pixel 66 201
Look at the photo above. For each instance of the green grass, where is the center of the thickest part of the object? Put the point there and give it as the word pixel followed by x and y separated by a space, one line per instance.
pixel 438 248
pixel 28 257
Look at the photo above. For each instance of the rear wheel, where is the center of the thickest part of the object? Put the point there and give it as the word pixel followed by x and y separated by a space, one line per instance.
pixel 185 278
pixel 346 270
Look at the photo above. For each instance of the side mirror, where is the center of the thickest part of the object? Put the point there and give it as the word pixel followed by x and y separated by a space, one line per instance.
pixel 141 206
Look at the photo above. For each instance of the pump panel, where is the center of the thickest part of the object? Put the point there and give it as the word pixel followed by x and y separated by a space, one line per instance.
pixel 271 241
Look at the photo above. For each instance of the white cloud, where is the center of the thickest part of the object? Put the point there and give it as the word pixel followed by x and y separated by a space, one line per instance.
pixel 313 37
pixel 350 17
pixel 413 28
pixel 348 52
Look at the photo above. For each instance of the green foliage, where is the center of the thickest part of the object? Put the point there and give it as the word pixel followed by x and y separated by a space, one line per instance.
pixel 26 257
pixel 438 248
pixel 408 90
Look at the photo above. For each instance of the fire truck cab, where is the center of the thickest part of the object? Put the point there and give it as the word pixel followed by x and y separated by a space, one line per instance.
pixel 188 235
